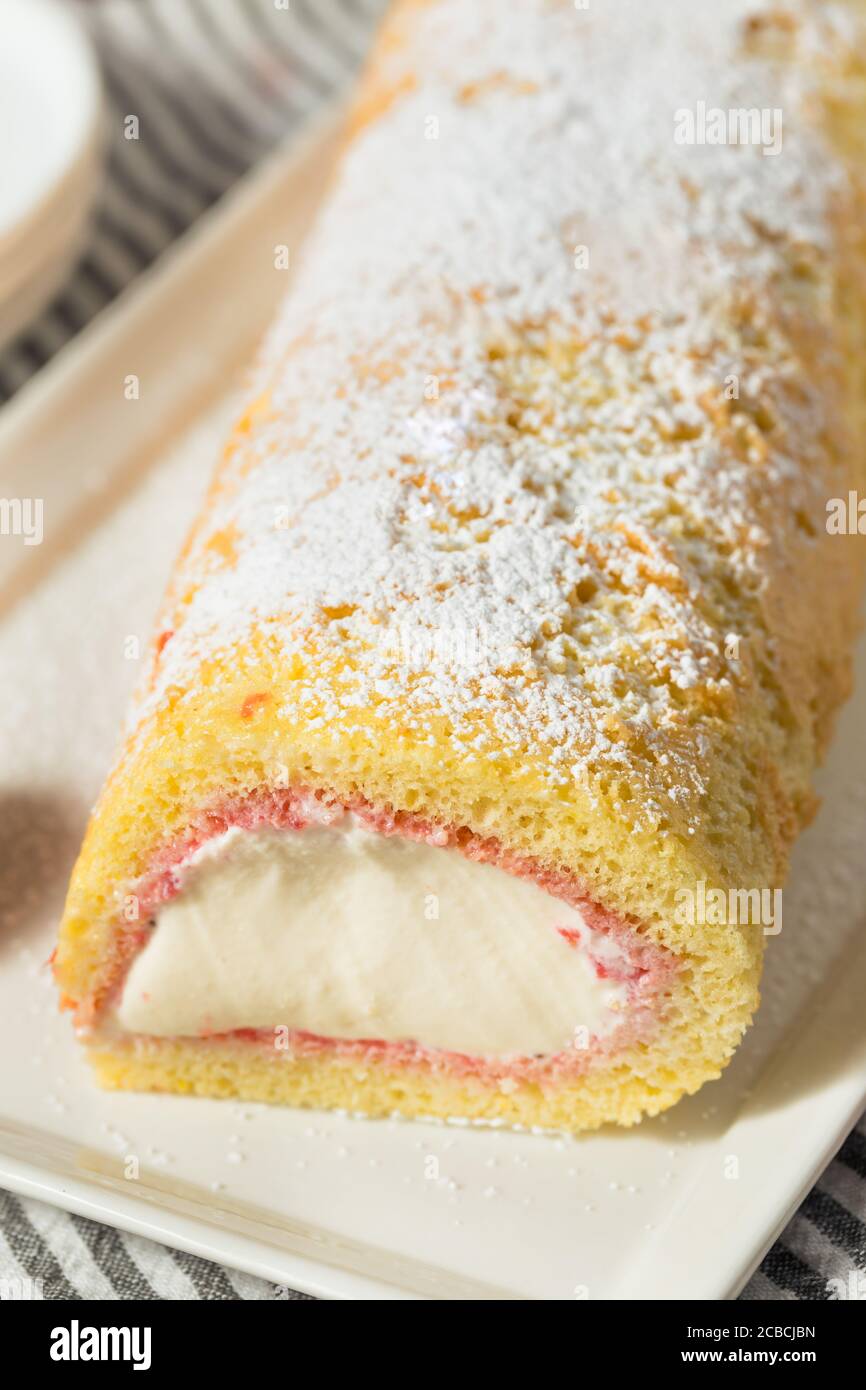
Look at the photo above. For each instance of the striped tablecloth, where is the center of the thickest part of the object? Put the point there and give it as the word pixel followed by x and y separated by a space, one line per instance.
pixel 215 83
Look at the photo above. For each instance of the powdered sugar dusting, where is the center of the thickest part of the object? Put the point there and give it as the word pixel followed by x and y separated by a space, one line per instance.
pixel 497 477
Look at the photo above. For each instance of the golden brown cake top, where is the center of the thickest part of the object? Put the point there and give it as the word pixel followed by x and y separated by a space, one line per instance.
pixel 540 443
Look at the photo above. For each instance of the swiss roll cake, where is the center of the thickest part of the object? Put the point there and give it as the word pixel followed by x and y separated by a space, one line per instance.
pixel 483 706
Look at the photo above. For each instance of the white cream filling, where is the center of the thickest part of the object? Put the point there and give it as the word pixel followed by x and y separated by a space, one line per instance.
pixel 349 934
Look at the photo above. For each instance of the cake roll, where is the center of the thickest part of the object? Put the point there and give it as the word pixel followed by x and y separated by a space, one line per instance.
pixel 484 703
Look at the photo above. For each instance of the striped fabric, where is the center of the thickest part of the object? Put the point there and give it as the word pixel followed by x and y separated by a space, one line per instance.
pixel 215 83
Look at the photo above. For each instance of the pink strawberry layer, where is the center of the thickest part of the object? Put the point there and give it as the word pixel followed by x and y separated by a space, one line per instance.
pixel 646 969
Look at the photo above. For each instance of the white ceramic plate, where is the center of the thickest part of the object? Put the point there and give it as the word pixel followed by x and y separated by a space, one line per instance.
pixel 51 98
pixel 679 1207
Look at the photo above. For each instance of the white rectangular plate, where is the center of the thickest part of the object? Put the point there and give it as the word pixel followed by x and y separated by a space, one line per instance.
pixel 680 1207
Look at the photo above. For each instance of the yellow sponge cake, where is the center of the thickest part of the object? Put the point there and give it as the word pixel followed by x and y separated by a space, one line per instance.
pixel 486 696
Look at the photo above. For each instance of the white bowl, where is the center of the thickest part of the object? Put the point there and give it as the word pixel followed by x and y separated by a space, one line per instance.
pixel 51 153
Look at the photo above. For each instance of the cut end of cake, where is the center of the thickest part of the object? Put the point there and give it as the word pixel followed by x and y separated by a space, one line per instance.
pixel 291 946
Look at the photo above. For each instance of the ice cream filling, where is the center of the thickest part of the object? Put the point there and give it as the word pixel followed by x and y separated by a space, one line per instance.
pixel 341 932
